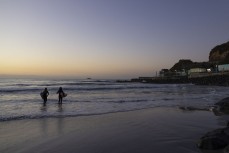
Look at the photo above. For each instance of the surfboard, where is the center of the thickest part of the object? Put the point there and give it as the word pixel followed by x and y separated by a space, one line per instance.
pixel 42 95
pixel 63 95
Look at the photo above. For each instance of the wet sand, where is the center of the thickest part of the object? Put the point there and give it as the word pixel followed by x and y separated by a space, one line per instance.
pixel 155 130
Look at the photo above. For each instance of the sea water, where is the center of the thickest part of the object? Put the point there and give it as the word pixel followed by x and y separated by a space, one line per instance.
pixel 20 98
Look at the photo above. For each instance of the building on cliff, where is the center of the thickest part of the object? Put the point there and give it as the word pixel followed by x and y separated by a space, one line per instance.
pixel 223 68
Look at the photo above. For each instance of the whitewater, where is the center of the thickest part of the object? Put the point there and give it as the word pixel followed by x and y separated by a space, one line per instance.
pixel 20 98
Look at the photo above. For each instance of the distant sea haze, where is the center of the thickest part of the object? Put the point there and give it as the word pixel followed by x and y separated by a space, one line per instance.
pixel 20 98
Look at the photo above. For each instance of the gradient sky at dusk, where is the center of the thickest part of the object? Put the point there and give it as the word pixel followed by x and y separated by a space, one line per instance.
pixel 107 38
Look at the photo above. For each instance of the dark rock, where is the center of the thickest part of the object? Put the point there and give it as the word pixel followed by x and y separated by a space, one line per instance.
pixel 223 105
pixel 190 108
pixel 219 138
pixel 226 150
pixel 223 102
pixel 214 140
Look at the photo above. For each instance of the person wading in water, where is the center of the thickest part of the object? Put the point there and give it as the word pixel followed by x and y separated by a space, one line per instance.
pixel 45 94
pixel 61 94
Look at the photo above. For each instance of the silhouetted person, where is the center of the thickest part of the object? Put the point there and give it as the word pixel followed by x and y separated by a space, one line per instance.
pixel 45 94
pixel 61 94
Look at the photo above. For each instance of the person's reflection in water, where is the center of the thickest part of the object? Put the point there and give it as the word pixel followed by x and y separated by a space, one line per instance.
pixel 60 125
pixel 60 108
pixel 43 107
pixel 60 119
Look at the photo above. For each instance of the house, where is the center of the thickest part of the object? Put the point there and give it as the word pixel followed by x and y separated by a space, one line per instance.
pixel 197 72
pixel 223 67
pixel 164 73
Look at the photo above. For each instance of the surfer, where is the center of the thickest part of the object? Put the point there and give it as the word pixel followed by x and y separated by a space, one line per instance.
pixel 45 94
pixel 61 94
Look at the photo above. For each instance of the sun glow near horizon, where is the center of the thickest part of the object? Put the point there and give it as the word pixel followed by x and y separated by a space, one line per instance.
pixel 58 64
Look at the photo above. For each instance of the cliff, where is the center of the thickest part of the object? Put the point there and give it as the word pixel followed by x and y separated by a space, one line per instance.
pixel 220 53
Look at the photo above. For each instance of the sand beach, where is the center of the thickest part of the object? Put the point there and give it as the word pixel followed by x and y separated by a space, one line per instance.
pixel 159 130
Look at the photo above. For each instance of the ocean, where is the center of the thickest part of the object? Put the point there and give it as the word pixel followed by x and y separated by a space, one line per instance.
pixel 20 98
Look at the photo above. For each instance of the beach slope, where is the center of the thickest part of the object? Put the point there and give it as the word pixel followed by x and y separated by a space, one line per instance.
pixel 150 130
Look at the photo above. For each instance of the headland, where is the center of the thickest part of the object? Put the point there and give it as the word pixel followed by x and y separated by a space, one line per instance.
pixel 214 72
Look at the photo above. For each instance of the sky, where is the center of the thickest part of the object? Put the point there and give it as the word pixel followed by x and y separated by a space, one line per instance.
pixel 107 38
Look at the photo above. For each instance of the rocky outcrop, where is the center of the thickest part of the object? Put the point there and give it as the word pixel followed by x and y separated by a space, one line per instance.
pixel 188 64
pixel 220 53
pixel 215 140
pixel 182 64
pixel 223 106
pixel 190 108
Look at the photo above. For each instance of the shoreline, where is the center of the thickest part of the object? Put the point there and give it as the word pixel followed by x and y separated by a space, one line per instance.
pixel 148 130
